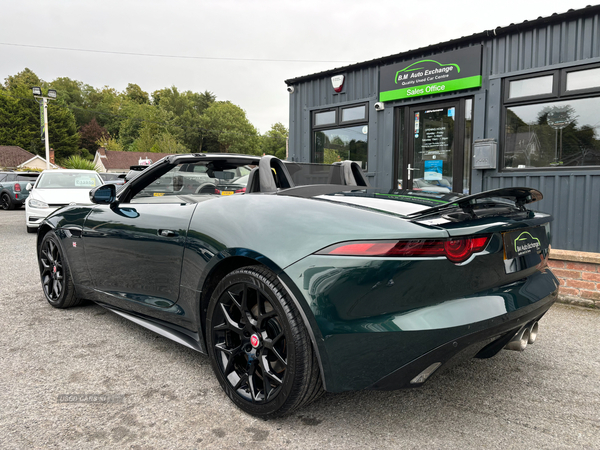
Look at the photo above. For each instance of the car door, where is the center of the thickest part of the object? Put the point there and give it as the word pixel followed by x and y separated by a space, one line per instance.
pixel 134 253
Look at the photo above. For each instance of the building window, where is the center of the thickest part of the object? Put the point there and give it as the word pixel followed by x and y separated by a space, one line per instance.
pixel 559 132
pixel 341 134
pixel 325 118
pixel 583 79
pixel 530 87
pixel 354 113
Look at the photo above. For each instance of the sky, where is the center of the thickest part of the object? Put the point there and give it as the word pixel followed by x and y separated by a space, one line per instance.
pixel 240 50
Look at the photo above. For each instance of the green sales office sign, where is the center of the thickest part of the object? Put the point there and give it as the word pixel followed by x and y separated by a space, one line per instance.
pixel 444 72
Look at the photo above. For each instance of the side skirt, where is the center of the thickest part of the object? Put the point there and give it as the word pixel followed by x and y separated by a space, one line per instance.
pixel 158 328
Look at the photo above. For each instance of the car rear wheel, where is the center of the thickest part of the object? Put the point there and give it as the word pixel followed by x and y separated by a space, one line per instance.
pixel 259 347
pixel 6 202
pixel 54 272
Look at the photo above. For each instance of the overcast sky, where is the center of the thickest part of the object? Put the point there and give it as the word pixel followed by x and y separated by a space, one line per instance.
pixel 256 44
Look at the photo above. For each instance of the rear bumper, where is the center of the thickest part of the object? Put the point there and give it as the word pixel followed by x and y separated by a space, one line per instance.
pixel 378 324
pixel 467 345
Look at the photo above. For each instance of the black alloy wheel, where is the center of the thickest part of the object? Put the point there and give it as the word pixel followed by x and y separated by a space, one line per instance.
pixel 54 272
pixel 6 202
pixel 259 347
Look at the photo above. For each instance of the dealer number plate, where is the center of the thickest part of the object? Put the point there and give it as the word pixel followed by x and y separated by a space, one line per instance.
pixel 524 242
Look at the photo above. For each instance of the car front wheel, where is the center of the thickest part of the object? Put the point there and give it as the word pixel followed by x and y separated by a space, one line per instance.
pixel 259 347
pixel 54 272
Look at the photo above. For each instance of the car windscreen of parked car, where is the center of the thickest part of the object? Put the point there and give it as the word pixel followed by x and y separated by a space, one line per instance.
pixel 62 180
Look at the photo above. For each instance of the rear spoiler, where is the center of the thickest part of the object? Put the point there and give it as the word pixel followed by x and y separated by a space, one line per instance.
pixel 519 195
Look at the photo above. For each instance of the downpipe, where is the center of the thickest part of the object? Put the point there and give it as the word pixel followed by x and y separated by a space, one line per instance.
pixel 525 336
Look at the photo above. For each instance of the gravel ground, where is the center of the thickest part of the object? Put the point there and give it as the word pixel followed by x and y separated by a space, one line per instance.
pixel 158 394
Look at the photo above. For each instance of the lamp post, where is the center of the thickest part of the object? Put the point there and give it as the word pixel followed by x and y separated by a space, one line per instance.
pixel 43 101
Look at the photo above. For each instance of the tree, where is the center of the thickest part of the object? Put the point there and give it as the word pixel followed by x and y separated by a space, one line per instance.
pixel 62 131
pixel 76 96
pixel 15 122
pixel 110 143
pixel 90 134
pixel 21 126
pixel 107 104
pixel 185 108
pixel 273 142
pixel 228 124
pixel 135 93
pixel 138 118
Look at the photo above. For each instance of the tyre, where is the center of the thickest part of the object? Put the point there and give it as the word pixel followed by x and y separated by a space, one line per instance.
pixel 6 201
pixel 54 272
pixel 259 348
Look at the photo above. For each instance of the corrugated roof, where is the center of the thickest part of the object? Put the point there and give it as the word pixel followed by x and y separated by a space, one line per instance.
pixel 476 37
pixel 13 155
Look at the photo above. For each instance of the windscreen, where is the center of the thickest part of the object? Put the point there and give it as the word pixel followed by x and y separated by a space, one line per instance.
pixel 68 180
pixel 200 178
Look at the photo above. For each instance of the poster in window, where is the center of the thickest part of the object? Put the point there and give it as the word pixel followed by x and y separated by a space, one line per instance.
pixel 433 169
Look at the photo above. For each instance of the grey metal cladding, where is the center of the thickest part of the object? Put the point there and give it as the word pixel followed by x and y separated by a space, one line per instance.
pixel 573 198
pixel 563 42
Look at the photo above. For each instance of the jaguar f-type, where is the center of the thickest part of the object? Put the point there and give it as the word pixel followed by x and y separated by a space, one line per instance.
pixel 292 290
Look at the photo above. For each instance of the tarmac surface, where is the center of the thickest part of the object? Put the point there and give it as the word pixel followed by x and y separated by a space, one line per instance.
pixel 86 378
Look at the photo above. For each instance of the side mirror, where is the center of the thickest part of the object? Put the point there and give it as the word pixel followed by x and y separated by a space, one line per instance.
pixel 29 186
pixel 104 195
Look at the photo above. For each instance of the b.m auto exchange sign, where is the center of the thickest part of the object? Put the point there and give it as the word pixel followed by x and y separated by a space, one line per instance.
pixel 444 72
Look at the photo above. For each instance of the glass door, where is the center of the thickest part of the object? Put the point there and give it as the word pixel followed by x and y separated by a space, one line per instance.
pixel 433 146
pixel 433 136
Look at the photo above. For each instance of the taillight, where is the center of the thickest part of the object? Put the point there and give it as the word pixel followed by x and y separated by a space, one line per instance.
pixel 17 187
pixel 240 190
pixel 217 191
pixel 456 250
pixel 459 250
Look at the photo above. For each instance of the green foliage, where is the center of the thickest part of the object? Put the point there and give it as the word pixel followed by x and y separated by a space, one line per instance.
pixel 84 118
pixel 28 169
pixel 273 142
pixel 110 144
pixel 166 143
pixel 330 156
pixel 15 122
pixel 20 118
pixel 135 93
pixel 78 162
pixel 62 131
pixel 85 153
pixel 107 104
pixel 75 95
pixel 228 124
pixel 185 109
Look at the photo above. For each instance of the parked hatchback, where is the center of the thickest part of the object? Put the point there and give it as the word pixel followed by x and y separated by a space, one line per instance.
pixel 12 188
pixel 55 189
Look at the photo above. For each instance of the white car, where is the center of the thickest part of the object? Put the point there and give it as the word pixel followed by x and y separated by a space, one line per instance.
pixel 55 189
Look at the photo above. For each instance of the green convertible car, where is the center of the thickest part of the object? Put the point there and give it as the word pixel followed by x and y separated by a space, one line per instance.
pixel 296 290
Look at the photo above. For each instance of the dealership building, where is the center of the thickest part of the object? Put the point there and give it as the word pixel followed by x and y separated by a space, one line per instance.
pixel 513 106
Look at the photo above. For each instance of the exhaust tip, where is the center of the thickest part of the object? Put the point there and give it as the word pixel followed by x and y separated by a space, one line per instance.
pixel 533 331
pixel 519 341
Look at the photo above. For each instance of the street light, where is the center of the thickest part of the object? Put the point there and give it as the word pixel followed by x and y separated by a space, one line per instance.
pixel 43 101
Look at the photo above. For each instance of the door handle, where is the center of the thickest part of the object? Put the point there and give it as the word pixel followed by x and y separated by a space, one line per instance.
pixel 167 233
pixel 410 169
